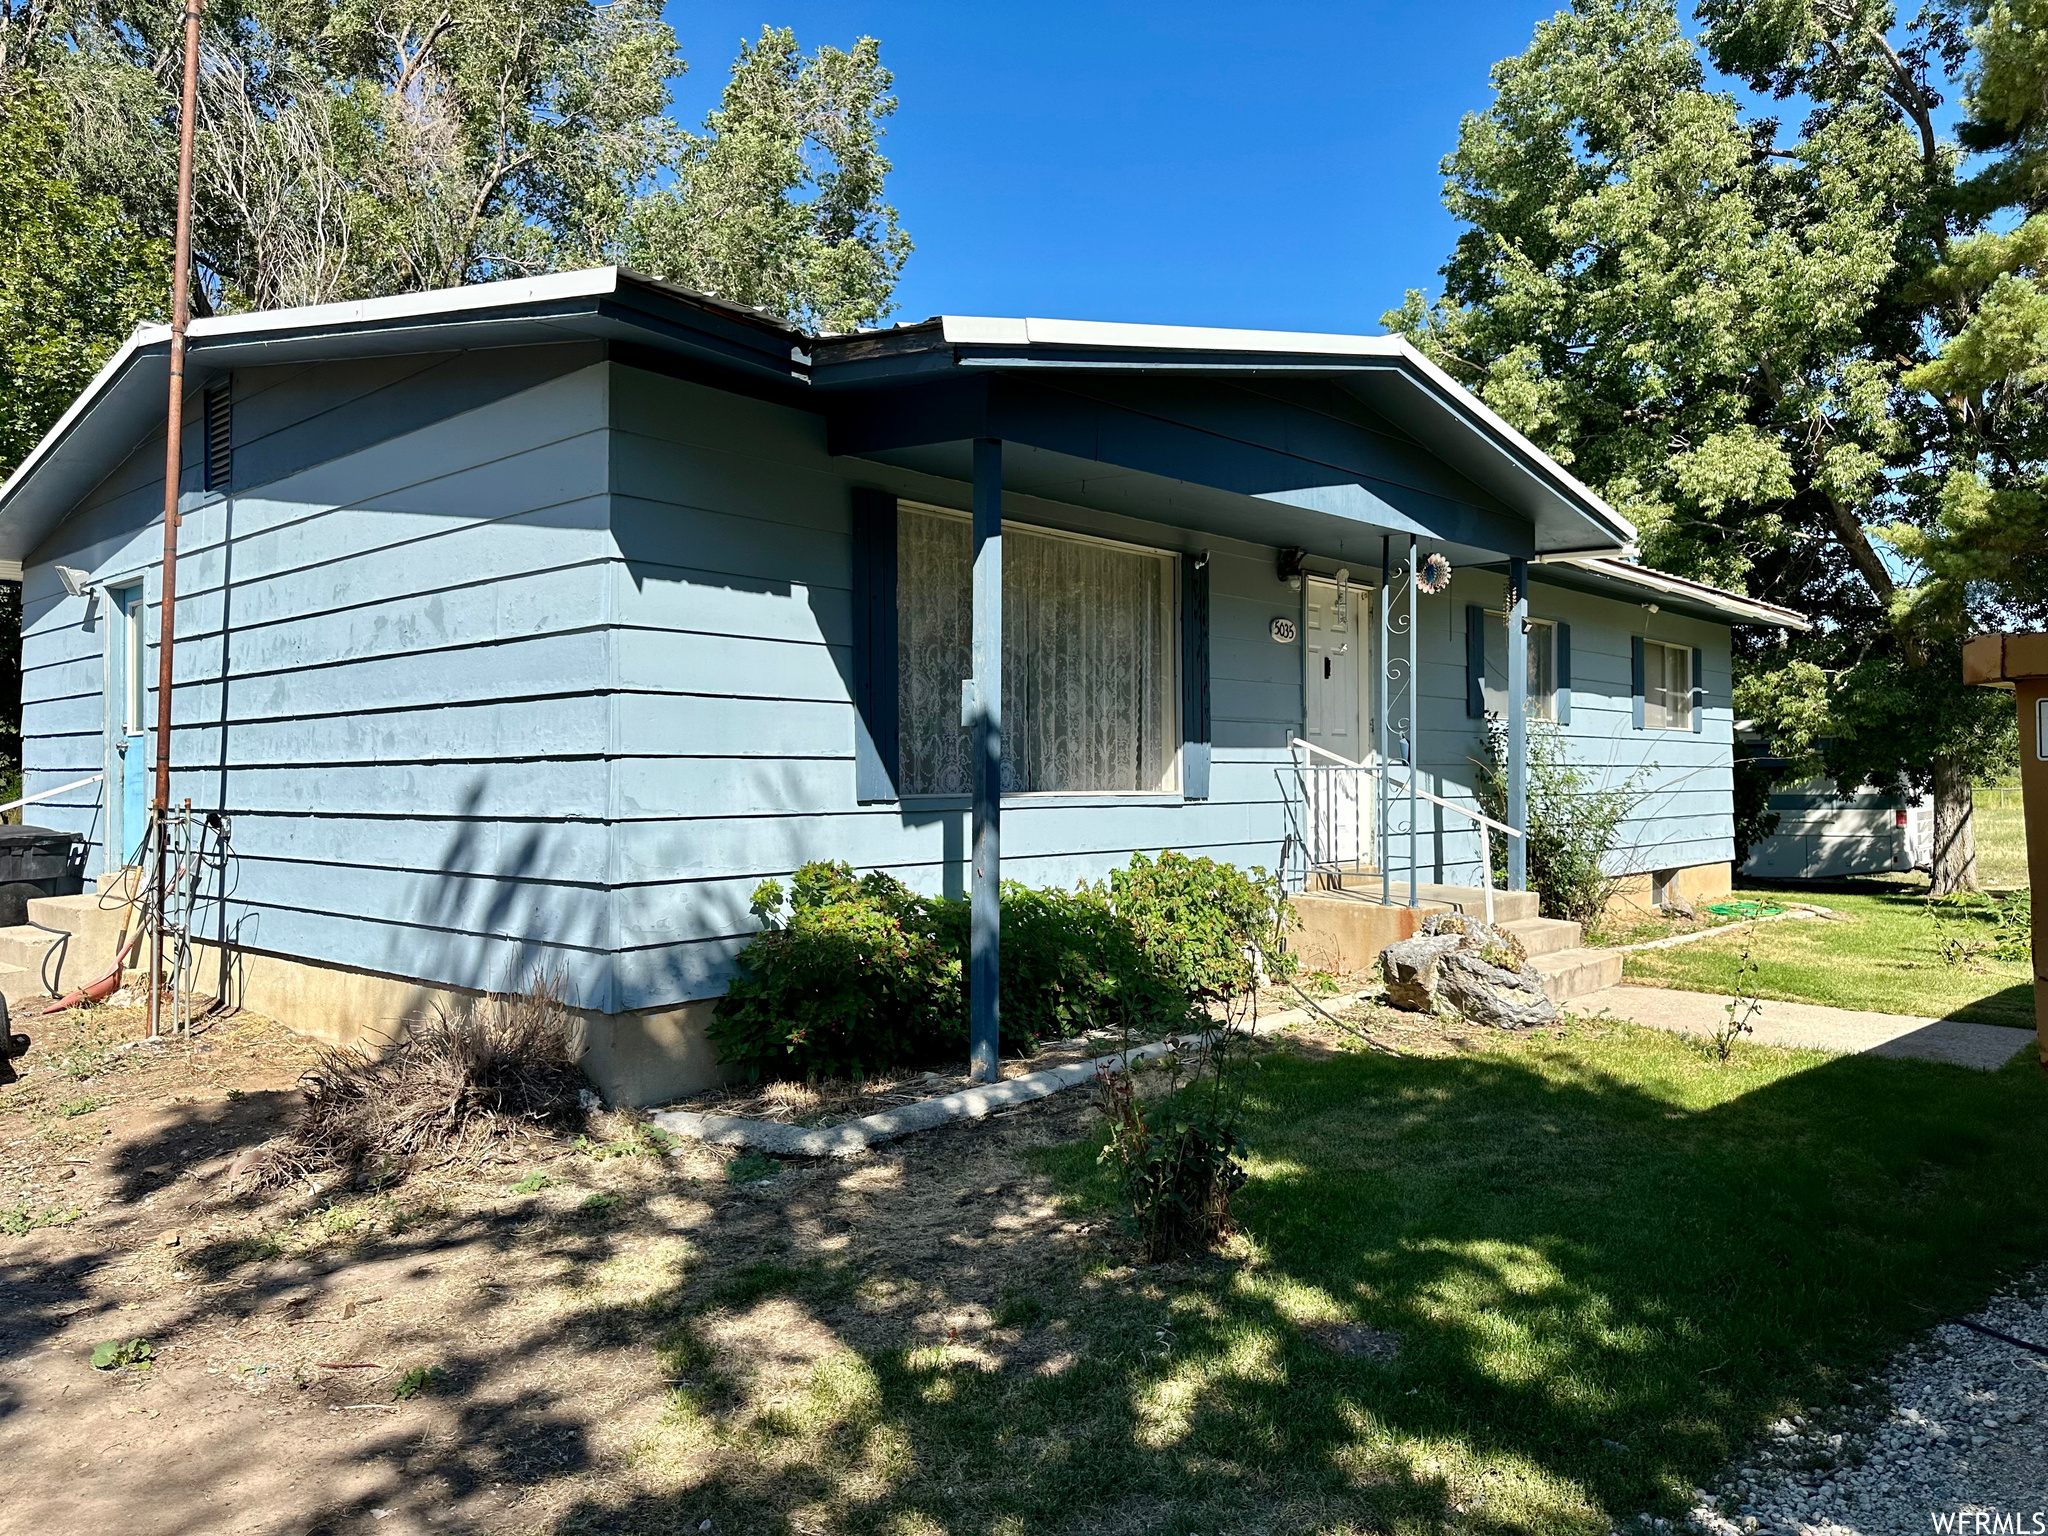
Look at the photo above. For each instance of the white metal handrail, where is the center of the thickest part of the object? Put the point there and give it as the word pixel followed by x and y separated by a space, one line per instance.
pixel 50 794
pixel 1306 750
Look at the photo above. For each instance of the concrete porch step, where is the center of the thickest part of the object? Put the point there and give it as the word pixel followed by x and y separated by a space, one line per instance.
pixel 1508 906
pixel 1574 973
pixel 1545 935
pixel 22 985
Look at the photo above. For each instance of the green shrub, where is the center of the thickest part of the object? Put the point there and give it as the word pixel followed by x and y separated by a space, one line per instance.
pixel 1575 821
pixel 1207 928
pixel 852 978
pixel 853 975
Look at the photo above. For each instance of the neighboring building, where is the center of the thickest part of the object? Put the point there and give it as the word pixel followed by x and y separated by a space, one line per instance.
pixel 529 626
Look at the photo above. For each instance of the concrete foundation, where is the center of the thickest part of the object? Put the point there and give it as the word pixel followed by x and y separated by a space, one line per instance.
pixel 634 1059
pixel 1632 895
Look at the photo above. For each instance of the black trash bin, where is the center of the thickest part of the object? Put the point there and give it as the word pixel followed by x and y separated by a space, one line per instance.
pixel 37 861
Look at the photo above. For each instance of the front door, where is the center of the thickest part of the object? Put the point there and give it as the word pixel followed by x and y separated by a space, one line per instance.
pixel 1336 655
pixel 127 738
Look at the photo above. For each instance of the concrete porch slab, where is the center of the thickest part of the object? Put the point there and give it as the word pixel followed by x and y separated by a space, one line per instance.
pixel 1846 1031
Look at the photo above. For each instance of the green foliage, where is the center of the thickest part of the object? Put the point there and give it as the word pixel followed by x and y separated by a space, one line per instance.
pixel 118 1355
pixel 1969 927
pixel 1575 821
pixel 779 203
pixel 21 1218
pixel 357 147
pixel 420 1381
pixel 852 978
pixel 598 1206
pixel 534 1183
pixel 1776 346
pixel 1742 1008
pixel 77 273
pixel 1207 928
pixel 856 974
pixel 71 1109
pixel 1178 1161
pixel 752 1168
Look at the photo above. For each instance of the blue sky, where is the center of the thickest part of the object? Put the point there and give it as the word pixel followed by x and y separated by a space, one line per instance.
pixel 1197 164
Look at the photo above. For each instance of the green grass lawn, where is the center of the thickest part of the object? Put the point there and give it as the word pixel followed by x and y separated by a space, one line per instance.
pixel 2001 838
pixel 1608 1261
pixel 1885 957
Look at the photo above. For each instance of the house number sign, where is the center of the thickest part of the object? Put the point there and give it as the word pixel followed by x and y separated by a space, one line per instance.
pixel 1283 631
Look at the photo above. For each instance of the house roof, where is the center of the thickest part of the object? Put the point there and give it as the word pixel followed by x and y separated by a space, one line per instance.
pixel 1638 582
pixel 1279 436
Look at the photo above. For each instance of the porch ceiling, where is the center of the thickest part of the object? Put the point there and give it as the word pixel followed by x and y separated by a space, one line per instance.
pixel 1347 527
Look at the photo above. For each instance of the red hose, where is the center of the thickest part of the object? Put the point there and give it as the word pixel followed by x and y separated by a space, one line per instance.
pixel 101 989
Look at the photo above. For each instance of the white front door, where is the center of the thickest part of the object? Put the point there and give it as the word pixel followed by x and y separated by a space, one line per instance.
pixel 1336 656
pixel 1336 644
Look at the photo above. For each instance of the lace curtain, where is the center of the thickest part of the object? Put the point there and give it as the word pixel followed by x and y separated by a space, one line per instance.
pixel 1088 651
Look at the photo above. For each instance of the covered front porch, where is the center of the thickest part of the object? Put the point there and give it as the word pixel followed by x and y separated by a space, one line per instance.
pixel 1367 474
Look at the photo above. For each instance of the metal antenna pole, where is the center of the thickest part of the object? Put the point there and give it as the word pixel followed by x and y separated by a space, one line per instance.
pixel 1382 664
pixel 1414 732
pixel 174 456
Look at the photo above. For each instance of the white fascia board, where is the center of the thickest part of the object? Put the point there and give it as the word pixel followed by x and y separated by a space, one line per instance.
pixel 1721 599
pixel 990 330
pixel 590 282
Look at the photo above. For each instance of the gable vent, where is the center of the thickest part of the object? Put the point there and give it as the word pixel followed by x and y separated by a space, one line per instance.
pixel 220 435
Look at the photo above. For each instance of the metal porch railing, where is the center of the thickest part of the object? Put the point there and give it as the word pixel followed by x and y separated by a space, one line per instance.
pixel 1342 819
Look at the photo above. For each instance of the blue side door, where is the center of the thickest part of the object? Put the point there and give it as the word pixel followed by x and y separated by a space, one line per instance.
pixel 127 696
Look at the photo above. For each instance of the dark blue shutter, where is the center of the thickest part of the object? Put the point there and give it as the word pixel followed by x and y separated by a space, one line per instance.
pixel 1636 675
pixel 874 645
pixel 1195 735
pixel 1699 688
pixel 1564 674
pixel 1475 660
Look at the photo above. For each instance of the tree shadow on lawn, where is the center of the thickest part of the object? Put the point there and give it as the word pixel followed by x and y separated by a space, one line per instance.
pixel 1607 1267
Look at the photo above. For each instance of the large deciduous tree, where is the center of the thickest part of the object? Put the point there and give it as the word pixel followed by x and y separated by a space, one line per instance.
pixel 358 147
pixel 1721 325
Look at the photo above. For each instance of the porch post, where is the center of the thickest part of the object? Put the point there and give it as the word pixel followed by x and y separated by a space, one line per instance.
pixel 1518 723
pixel 985 717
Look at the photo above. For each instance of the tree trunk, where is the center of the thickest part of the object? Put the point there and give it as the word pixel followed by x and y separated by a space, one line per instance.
pixel 1954 855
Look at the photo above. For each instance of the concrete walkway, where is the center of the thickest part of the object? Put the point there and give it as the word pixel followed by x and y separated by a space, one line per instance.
pixel 1845 1031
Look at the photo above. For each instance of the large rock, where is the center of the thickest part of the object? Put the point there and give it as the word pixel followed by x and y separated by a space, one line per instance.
pixel 1458 964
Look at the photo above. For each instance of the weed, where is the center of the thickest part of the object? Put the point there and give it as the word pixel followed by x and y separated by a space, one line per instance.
pixel 1320 984
pixel 71 1109
pixel 23 1218
pixel 600 1204
pixel 1742 1008
pixel 237 1093
pixel 406 1217
pixel 751 1168
pixel 534 1183
pixel 116 1355
pixel 420 1381
pixel 340 1221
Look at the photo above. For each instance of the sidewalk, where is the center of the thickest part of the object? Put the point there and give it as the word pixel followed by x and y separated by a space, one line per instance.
pixel 1846 1031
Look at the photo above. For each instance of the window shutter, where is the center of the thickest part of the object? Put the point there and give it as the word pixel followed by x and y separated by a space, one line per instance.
pixel 1475 660
pixel 1194 676
pixel 874 645
pixel 1564 674
pixel 1636 675
pixel 1699 689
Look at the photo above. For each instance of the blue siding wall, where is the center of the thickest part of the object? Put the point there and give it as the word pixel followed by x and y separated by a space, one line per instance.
pixel 1685 816
pixel 734 725
pixel 405 595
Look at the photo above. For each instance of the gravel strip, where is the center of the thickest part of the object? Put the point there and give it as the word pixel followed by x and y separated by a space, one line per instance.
pixel 1955 1439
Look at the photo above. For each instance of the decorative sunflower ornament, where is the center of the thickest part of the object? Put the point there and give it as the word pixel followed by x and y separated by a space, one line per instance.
pixel 1434 576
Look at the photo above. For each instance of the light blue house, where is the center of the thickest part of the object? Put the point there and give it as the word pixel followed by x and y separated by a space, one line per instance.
pixel 526 627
